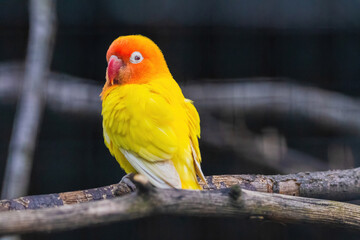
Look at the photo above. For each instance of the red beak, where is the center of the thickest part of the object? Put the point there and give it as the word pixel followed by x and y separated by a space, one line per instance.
pixel 113 68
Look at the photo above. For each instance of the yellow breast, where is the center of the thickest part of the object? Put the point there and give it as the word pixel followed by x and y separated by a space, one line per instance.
pixel 156 123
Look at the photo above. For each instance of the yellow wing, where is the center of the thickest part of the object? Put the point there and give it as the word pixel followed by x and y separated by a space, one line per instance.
pixel 139 129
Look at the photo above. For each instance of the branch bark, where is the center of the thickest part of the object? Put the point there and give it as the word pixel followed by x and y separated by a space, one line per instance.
pixel 30 106
pixel 229 202
pixel 341 185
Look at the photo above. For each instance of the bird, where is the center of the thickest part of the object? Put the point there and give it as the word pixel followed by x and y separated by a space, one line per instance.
pixel 148 125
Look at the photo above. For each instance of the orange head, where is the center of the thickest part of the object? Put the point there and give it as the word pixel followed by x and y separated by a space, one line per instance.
pixel 133 59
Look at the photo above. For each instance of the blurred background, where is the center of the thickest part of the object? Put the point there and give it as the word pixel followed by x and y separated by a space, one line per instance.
pixel 275 82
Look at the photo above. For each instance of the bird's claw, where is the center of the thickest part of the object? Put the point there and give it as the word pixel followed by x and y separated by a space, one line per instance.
pixel 127 180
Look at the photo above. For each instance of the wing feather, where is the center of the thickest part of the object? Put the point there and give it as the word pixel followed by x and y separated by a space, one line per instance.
pixel 194 124
pixel 197 164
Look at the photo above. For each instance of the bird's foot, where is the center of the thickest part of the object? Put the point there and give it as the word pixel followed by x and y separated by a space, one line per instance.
pixel 127 181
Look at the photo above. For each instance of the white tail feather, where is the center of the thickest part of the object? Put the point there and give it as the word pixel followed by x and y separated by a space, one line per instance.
pixel 161 174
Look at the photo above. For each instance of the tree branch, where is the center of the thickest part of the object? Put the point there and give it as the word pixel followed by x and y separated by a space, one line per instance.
pixel 341 185
pixel 30 106
pixel 229 202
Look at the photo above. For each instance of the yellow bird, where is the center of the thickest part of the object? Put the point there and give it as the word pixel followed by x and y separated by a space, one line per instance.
pixel 149 127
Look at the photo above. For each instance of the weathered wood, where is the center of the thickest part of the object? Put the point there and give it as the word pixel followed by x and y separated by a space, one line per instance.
pixel 66 198
pixel 227 202
pixel 342 185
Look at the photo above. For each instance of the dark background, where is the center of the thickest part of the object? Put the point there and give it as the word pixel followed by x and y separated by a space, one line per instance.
pixel 312 43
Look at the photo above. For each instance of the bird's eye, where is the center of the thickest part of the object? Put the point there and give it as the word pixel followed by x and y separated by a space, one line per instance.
pixel 136 57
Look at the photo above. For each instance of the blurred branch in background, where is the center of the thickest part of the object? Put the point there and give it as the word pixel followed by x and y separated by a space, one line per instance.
pixel 340 185
pixel 72 95
pixel 64 93
pixel 148 201
pixel 32 98
pixel 329 109
pixel 269 149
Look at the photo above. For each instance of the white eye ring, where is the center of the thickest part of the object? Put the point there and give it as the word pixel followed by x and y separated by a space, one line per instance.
pixel 136 57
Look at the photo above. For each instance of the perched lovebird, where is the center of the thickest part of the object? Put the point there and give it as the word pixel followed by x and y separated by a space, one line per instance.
pixel 149 127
